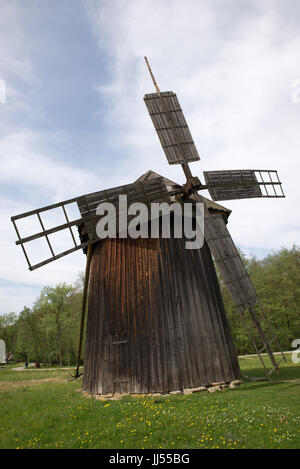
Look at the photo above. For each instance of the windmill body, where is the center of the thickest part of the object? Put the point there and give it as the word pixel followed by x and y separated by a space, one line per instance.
pixel 156 320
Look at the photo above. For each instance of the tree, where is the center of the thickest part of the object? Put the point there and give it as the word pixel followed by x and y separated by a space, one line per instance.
pixel 8 332
pixel 29 335
pixel 53 302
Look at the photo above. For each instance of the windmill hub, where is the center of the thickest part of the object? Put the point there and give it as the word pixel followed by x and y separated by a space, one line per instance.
pixel 193 184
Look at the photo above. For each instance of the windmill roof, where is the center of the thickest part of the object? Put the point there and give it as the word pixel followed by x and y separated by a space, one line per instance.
pixel 212 206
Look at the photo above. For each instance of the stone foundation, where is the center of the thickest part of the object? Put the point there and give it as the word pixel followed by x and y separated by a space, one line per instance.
pixel 211 388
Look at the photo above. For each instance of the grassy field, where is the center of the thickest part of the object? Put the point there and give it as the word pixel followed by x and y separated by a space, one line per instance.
pixel 41 409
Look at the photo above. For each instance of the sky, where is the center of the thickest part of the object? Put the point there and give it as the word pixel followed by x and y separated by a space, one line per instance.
pixel 73 120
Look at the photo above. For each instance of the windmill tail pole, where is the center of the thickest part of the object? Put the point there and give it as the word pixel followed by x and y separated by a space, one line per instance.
pixel 152 76
pixel 83 309
pixel 185 166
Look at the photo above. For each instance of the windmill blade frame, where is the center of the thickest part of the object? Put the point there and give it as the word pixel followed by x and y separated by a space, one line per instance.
pixel 239 284
pixel 46 232
pixel 229 262
pixel 140 191
pixel 243 184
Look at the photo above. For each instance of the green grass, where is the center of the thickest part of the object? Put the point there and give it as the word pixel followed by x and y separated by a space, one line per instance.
pixel 39 414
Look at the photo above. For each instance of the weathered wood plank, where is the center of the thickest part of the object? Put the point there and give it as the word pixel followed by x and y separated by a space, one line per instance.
pixel 229 262
pixel 167 300
pixel 171 127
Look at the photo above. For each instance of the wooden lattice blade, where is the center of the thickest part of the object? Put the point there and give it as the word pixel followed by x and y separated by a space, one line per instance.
pixel 242 184
pixel 240 287
pixel 171 127
pixel 146 191
pixel 48 237
pixel 229 262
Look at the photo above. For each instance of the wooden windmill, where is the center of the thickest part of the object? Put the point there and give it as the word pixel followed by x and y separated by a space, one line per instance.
pixel 156 320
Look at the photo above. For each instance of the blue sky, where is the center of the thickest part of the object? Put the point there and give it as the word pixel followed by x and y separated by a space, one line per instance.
pixel 74 120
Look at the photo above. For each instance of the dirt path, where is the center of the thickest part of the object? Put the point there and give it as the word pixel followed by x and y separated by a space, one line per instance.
pixel 22 368
pixel 7 385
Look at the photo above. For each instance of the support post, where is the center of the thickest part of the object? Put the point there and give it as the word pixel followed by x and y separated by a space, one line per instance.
pixel 83 308
pixel 263 337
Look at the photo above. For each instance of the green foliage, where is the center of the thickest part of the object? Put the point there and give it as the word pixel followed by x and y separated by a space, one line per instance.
pixel 8 332
pixel 48 333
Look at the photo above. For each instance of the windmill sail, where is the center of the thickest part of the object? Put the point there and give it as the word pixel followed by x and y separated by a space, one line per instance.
pixel 171 127
pixel 145 191
pixel 229 262
pixel 243 184
pixel 241 289
pixel 46 234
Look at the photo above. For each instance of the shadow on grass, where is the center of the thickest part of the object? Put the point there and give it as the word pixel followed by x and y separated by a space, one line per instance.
pixel 287 370
pixel 262 385
pixel 286 375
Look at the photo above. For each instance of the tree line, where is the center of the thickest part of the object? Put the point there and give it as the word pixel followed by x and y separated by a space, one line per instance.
pixel 48 332
pixel 276 279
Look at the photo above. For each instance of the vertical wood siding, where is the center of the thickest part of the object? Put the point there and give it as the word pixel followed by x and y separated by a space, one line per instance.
pixel 156 320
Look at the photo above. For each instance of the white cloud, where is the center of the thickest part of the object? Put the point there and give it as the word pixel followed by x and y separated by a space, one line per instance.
pixel 24 163
pixel 13 297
